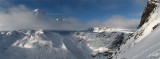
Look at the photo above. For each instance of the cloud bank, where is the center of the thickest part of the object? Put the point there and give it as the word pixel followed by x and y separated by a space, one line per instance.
pixel 18 18
pixel 116 21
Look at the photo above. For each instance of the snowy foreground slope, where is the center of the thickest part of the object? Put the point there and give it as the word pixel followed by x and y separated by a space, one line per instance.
pixel 148 48
pixel 48 44
pixel 145 41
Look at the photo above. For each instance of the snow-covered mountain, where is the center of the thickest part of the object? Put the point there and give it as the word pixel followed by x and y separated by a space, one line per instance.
pixel 145 41
pixel 50 44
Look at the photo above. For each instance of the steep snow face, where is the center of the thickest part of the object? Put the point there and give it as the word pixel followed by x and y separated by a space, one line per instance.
pixel 139 44
pixel 148 48
pixel 48 44
pixel 151 22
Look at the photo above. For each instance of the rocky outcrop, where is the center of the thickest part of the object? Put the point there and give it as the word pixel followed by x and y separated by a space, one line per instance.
pixel 151 4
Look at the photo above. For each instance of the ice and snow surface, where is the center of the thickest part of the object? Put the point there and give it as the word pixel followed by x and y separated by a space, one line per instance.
pixel 145 42
pixel 148 48
pixel 153 21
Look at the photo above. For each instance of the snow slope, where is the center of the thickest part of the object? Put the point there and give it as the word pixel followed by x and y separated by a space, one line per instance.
pixel 144 44
pixel 148 48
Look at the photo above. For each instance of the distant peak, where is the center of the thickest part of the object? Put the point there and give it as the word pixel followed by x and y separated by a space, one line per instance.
pixel 60 19
pixel 39 12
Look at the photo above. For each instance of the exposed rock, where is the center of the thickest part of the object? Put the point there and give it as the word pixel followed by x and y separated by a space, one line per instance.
pixel 156 26
pixel 151 4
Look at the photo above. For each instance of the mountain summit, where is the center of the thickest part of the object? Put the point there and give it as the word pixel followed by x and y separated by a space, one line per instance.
pixel 39 12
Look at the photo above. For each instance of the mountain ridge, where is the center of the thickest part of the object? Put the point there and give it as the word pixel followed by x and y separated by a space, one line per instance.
pixel 27 44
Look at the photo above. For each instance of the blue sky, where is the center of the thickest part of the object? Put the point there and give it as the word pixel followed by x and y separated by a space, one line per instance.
pixel 84 10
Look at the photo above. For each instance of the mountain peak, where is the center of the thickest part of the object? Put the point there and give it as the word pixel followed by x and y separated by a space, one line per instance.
pixel 38 12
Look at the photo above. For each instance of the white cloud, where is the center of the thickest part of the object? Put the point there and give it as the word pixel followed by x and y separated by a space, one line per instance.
pixel 1 8
pixel 20 17
pixel 17 18
pixel 116 21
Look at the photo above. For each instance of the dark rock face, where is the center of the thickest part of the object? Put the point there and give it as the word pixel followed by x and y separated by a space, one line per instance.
pixel 151 4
